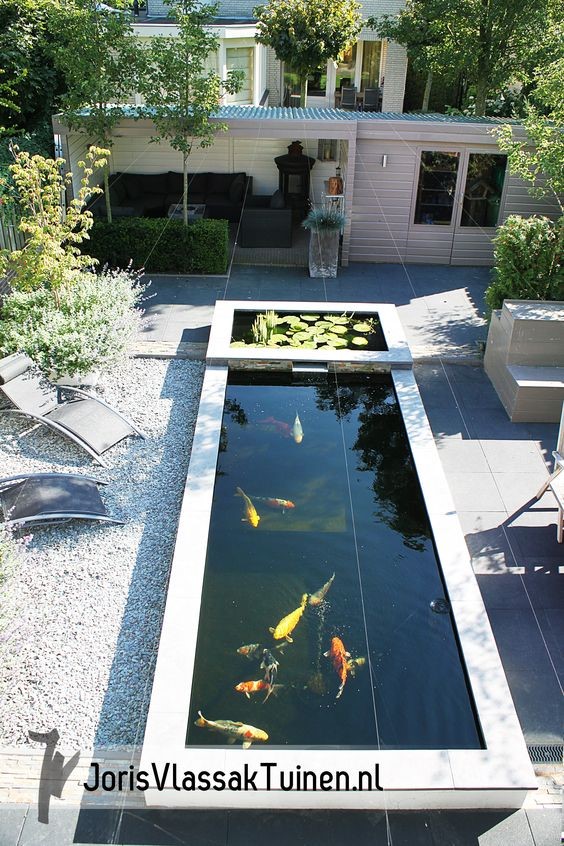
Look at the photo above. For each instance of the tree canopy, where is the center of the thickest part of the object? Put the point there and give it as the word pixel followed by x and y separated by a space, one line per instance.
pixel 180 95
pixel 306 34
pixel 490 41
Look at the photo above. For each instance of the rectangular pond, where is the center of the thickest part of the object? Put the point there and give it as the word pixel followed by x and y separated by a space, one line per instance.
pixel 316 507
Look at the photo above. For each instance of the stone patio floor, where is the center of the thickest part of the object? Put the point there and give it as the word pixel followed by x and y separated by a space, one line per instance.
pixel 493 467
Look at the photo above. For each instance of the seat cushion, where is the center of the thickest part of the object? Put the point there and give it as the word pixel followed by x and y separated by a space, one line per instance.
pixel 154 183
pixel 174 182
pixel 175 199
pixel 277 200
pixel 236 189
pixel 133 184
pixel 118 190
pixel 197 183
pixel 100 427
pixel 220 183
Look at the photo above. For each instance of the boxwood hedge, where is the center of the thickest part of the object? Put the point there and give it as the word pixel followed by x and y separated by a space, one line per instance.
pixel 160 245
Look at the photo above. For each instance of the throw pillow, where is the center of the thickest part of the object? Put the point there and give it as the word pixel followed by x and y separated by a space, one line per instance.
pixel 277 200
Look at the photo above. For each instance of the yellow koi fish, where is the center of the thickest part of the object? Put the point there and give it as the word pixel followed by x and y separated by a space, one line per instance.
pixel 251 516
pixel 233 731
pixel 287 625
pixel 297 431
pixel 319 596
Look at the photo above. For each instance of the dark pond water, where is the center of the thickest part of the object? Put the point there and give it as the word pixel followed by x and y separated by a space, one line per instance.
pixel 358 513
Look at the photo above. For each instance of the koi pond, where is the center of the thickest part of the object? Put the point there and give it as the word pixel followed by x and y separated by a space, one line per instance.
pixel 322 613
pixel 317 514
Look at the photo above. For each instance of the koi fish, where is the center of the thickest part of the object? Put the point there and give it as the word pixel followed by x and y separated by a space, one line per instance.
pixel 249 687
pixel 273 425
pixel 251 517
pixel 319 596
pixel 233 731
pixel 288 623
pixel 274 502
pixel 250 650
pixel 270 666
pixel 354 664
pixel 338 656
pixel 297 431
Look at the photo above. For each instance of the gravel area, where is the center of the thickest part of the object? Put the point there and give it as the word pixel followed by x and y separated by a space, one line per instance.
pixel 86 604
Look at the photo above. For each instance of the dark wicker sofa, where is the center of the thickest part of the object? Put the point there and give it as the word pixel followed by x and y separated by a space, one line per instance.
pixel 151 194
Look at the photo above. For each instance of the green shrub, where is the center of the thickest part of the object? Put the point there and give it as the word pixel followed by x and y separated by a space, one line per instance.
pixel 160 245
pixel 528 261
pixel 89 326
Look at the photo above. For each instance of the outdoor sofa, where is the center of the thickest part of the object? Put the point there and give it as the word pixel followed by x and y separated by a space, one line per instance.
pixel 151 194
pixel 266 222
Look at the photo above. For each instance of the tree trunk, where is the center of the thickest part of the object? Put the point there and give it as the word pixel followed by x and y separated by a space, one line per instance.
pixel 481 93
pixel 303 92
pixel 427 92
pixel 185 188
pixel 107 191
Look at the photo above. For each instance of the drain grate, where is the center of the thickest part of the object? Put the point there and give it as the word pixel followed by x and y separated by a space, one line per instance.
pixel 549 753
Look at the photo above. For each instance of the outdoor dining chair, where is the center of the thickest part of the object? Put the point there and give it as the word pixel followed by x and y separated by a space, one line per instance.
pixel 86 420
pixel 348 98
pixel 51 498
pixel 372 101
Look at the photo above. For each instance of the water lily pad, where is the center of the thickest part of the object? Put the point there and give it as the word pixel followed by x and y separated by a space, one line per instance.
pixel 309 345
pixel 339 319
pixel 301 336
pixel 362 327
pixel 336 343
pixel 238 344
pixel 326 347
pixel 290 318
pixel 309 318
pixel 359 341
pixel 321 339
pixel 338 329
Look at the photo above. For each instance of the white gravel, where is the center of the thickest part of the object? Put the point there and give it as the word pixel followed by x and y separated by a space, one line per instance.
pixel 85 606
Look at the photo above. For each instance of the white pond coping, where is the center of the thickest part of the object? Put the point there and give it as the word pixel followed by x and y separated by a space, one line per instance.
pixel 497 776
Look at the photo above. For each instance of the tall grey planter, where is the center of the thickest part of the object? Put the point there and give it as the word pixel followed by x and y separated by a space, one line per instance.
pixel 323 253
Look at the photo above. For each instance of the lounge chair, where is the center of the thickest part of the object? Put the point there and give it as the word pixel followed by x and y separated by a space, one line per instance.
pixel 48 498
pixel 87 421
pixel 372 100
pixel 556 480
pixel 348 98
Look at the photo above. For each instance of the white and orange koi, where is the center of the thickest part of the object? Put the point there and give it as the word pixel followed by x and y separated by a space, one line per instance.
pixel 338 656
pixel 251 516
pixel 288 623
pixel 233 731
pixel 319 596
pixel 275 502
pixel 249 687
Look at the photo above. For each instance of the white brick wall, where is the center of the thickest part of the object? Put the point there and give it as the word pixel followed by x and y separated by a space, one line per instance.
pixel 272 77
pixel 395 69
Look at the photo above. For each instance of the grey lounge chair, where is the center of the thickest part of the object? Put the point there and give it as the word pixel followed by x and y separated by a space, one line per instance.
pixel 372 101
pixel 86 420
pixel 47 498
pixel 348 98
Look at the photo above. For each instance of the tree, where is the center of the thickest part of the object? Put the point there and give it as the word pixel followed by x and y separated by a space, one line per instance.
pixel 51 257
pixel 180 95
pixel 491 41
pixel 98 56
pixel 306 34
pixel 541 164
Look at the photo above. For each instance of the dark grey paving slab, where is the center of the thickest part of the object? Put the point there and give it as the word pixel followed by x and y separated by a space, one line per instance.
pixel 545 826
pixel 487 541
pixel 474 491
pixel 306 828
pixel 481 828
pixel 551 623
pixel 546 589
pixel 433 385
pixel 172 828
pixel 492 424
pixel 446 422
pixel 12 818
pixel 462 456
pixel 532 534
pixel 511 456
pixel 503 591
pixel 518 490
pixel 530 673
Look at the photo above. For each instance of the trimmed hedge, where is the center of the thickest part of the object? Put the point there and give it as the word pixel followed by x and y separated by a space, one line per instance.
pixel 160 245
pixel 529 261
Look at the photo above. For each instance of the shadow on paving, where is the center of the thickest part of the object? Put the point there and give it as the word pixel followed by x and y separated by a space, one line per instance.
pixel 313 828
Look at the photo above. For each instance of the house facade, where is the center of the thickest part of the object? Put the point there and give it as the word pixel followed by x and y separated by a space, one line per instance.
pixel 417 188
pixel 370 63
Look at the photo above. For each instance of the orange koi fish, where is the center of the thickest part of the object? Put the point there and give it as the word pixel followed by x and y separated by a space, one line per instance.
pixel 319 596
pixel 249 687
pixel 273 425
pixel 274 502
pixel 288 623
pixel 338 656
pixel 251 516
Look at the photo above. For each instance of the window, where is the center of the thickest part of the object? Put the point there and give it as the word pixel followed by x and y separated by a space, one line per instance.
pixel 482 192
pixel 436 188
pixel 370 76
pixel 316 85
pixel 345 71
pixel 241 59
